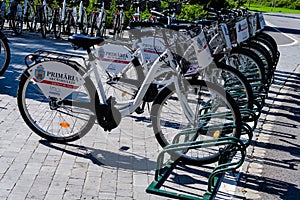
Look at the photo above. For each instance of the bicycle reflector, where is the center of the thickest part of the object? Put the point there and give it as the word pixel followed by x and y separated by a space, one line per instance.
pixel 64 124
pixel 217 134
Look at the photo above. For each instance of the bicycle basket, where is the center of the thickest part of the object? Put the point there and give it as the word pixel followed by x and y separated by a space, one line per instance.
pixel 154 5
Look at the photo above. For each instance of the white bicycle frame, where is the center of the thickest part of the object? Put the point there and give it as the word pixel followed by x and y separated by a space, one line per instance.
pixel 155 71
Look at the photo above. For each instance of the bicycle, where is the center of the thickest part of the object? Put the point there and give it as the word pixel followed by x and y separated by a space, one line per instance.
pixel 75 102
pixel 82 20
pixel 118 18
pixel 43 18
pixel 29 15
pixel 56 22
pixel 4 53
pixel 98 19
pixel 69 17
pixel 15 17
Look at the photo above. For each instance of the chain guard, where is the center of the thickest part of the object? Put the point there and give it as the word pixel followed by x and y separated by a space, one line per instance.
pixel 108 116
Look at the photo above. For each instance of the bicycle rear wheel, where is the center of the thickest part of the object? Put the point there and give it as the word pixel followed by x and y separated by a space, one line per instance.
pixel 53 119
pixel 215 115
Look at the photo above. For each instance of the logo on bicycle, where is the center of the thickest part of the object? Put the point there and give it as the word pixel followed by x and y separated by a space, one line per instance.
pixel 40 73
pixel 101 53
pixel 201 44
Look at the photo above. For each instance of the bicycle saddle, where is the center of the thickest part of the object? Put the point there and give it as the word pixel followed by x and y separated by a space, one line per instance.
pixel 83 41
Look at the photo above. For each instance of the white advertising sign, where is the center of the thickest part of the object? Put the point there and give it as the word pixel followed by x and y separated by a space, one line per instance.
pixel 242 31
pixel 56 79
pixel 113 58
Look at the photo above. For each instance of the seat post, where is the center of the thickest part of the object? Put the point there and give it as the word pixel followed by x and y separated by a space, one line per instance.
pixel 91 56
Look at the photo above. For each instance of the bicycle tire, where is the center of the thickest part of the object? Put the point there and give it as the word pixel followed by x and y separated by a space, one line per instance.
pixel 236 84
pixel 268 46
pixel 69 122
pixel 269 38
pixel 167 125
pixel 264 55
pixel 250 65
pixel 4 53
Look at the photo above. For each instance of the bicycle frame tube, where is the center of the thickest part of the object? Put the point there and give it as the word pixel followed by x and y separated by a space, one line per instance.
pixel 63 13
pixel 156 70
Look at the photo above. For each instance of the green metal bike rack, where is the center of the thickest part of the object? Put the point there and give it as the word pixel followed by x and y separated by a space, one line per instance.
pixel 225 164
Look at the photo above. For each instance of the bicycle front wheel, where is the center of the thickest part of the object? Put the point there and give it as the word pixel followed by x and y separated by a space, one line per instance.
pixel 215 115
pixel 57 120
pixel 4 53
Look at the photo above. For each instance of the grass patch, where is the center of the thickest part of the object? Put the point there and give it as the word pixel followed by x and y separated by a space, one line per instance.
pixel 272 10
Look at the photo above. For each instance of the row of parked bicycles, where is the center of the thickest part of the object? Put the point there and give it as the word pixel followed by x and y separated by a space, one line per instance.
pixel 67 17
pixel 206 82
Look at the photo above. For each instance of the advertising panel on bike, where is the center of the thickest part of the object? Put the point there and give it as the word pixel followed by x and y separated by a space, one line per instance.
pixel 252 20
pixel 113 58
pixel 202 50
pixel 225 32
pixel 242 31
pixel 151 47
pixel 56 79
pixel 261 21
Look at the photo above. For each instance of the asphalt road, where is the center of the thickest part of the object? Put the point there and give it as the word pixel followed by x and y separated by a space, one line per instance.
pixel 286 27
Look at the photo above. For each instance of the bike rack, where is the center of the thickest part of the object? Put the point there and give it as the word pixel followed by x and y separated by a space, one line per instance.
pixel 225 164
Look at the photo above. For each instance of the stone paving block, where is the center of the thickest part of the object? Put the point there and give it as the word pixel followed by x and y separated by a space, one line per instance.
pixel 106 195
pixel 57 187
pixel 54 197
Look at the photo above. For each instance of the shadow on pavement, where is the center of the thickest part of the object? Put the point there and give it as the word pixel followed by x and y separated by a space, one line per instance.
pixel 121 160
pixel 274 187
pixel 284 30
